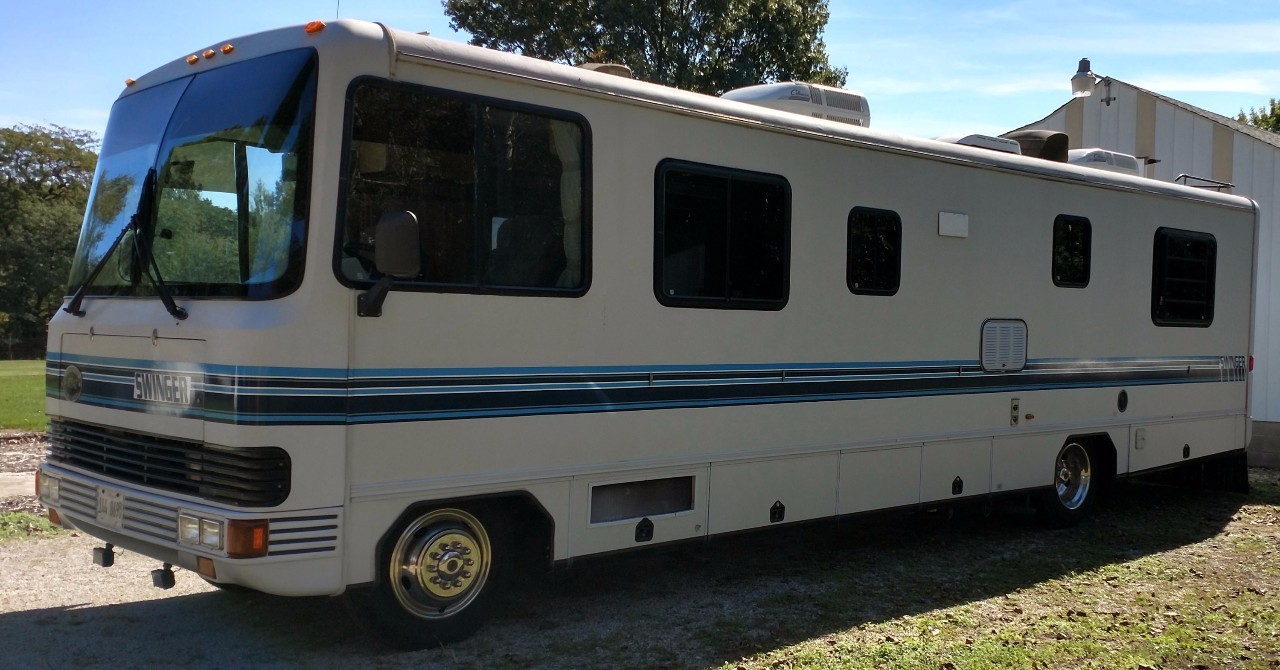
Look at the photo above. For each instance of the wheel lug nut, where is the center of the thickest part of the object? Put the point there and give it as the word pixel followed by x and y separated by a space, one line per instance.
pixel 457 582
pixel 457 545
pixel 470 561
pixel 466 550
pixel 435 556
pixel 466 574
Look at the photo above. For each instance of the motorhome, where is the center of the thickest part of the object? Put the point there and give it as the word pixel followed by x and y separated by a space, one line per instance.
pixel 361 310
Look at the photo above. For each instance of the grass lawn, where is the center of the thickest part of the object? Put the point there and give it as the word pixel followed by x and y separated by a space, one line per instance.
pixel 22 395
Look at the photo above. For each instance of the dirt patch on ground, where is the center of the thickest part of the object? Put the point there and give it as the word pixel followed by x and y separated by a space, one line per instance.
pixel 21 453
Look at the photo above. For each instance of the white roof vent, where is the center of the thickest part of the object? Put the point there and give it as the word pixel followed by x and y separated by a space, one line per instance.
pixel 1105 159
pixel 815 100
pixel 609 68
pixel 985 142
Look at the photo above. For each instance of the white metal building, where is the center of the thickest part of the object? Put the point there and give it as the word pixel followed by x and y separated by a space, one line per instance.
pixel 1180 142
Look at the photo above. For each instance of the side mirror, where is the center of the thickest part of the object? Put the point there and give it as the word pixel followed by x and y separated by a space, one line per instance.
pixel 126 258
pixel 395 255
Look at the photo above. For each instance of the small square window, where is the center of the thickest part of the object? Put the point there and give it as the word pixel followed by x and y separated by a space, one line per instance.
pixel 1072 248
pixel 874 264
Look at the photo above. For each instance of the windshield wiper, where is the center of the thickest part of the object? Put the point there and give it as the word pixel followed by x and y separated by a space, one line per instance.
pixel 141 249
pixel 152 269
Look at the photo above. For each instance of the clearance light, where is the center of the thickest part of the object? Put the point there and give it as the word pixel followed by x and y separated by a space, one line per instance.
pixel 246 539
pixel 130 82
pixel 209 53
pixel 193 59
pixel 227 49
pixel 314 27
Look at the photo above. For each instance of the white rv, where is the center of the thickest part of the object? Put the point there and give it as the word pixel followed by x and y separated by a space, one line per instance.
pixel 355 307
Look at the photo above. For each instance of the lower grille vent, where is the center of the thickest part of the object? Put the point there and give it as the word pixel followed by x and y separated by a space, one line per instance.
pixel 248 477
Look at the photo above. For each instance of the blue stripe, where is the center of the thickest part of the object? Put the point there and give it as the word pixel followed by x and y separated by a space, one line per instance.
pixel 286 395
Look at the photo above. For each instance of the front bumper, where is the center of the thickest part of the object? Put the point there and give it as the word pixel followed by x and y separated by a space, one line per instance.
pixel 304 556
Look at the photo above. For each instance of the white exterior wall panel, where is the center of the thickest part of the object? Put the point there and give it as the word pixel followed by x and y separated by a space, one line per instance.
pixel 1184 144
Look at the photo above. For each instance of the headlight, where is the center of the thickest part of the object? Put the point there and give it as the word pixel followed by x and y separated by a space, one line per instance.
pixel 188 529
pixel 200 532
pixel 50 489
pixel 211 533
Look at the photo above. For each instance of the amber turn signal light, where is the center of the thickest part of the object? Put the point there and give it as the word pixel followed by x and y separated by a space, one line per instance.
pixel 246 538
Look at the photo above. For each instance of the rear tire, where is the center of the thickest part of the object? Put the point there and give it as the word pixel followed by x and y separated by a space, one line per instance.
pixel 1075 487
pixel 436 578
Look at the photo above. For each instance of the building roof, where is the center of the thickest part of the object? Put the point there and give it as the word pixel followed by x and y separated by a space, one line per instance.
pixel 1259 134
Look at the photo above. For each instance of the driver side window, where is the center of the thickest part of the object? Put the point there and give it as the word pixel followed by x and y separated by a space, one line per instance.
pixel 499 190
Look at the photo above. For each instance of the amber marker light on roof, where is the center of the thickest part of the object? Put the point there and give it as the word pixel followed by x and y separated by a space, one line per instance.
pixel 314 27
pixel 130 82
pixel 193 59
pixel 227 49
pixel 209 53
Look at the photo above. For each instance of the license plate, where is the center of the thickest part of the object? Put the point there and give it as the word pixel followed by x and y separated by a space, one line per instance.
pixel 110 508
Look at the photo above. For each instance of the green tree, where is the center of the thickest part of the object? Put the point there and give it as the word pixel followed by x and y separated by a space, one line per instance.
pixel 708 46
pixel 1266 118
pixel 45 175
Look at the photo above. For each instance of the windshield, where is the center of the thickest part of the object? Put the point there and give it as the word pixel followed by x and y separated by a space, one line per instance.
pixel 231 148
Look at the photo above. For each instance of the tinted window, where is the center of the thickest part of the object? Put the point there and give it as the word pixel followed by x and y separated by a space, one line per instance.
pixel 875 251
pixel 1182 283
pixel 499 190
pixel 722 237
pixel 1072 240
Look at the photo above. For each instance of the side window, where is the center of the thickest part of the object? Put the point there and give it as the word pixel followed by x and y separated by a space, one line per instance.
pixel 499 190
pixel 874 264
pixel 1184 267
pixel 1072 250
pixel 722 237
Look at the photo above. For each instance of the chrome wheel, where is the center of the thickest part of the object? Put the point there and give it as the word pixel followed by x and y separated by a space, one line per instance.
pixel 1074 476
pixel 440 563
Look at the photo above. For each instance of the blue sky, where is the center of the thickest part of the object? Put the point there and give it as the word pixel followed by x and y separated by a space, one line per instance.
pixel 927 67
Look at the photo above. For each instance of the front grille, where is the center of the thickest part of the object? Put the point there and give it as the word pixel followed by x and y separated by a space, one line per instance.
pixel 248 477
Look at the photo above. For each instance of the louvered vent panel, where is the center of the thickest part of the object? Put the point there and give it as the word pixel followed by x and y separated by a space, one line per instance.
pixel 1004 345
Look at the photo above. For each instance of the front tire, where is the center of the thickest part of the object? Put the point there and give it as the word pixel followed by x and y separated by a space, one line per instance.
pixel 436 579
pixel 1075 487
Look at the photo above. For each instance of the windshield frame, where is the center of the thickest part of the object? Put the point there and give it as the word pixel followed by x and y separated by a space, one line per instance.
pixel 281 124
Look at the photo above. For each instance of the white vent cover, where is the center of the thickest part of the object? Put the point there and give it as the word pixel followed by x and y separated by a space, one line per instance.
pixel 1004 345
